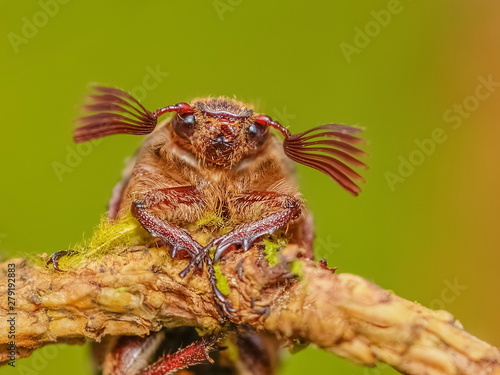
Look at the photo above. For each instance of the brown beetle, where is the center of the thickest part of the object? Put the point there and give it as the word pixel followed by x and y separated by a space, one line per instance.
pixel 216 156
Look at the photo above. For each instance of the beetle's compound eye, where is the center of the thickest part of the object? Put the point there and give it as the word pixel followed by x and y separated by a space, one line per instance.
pixel 184 125
pixel 257 134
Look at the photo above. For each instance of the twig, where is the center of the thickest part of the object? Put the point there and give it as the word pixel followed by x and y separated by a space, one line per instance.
pixel 136 292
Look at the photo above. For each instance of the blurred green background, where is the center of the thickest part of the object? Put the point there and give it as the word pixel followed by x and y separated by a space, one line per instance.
pixel 426 224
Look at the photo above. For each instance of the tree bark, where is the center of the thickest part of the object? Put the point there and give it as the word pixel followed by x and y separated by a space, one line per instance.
pixel 298 300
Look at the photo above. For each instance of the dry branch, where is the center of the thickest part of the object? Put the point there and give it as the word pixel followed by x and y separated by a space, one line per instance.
pixel 139 291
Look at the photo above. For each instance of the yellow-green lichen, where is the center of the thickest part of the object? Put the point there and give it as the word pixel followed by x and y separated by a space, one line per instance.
pixel 272 249
pixel 109 236
pixel 221 279
pixel 232 351
pixel 211 219
pixel 296 268
pixel 208 227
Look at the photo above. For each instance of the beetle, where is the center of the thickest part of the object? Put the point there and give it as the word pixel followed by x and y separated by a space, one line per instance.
pixel 215 156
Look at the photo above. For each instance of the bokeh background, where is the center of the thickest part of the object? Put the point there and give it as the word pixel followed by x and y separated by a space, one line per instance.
pixel 420 76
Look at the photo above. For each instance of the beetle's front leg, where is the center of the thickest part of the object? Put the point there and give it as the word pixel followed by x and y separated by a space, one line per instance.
pixel 171 199
pixel 287 207
pixel 176 237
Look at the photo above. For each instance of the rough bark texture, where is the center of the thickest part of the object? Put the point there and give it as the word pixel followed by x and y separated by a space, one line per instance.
pixel 135 292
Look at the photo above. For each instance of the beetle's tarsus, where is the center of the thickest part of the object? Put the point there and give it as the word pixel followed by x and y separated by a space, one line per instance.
pixel 223 303
pixel 263 311
pixel 54 259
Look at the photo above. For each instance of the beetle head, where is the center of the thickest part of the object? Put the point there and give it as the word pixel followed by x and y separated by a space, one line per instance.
pixel 219 131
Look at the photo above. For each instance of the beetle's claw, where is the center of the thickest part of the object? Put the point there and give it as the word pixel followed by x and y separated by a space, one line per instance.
pixel 198 261
pixel 54 259
pixel 263 311
pixel 228 309
pixel 222 243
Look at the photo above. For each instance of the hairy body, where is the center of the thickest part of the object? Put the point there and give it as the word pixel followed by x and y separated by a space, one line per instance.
pixel 209 191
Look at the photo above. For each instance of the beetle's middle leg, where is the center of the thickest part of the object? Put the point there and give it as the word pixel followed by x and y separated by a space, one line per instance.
pixel 178 203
